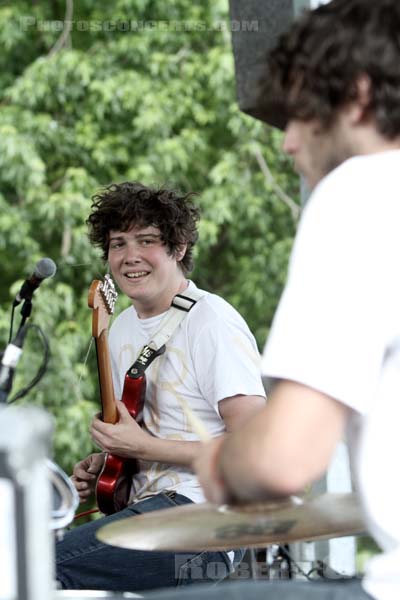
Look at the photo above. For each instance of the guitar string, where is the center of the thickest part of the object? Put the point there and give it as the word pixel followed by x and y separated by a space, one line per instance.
pixel 78 387
pixel 87 353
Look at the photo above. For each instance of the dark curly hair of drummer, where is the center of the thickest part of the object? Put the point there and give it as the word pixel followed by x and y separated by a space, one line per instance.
pixel 314 69
pixel 120 206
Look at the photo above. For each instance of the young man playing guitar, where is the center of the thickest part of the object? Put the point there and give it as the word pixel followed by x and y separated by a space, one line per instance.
pixel 210 366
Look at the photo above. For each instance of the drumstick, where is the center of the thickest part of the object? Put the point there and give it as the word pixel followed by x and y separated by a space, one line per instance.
pixel 196 424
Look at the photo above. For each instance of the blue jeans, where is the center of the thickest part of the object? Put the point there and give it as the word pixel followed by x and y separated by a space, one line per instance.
pixel 269 590
pixel 83 562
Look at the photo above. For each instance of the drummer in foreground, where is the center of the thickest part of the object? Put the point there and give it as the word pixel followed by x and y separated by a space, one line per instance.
pixel 334 349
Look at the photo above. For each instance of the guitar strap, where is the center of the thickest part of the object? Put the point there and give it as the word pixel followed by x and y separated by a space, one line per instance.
pixel 181 305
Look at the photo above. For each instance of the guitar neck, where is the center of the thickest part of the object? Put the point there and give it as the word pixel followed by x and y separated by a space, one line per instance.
pixel 110 413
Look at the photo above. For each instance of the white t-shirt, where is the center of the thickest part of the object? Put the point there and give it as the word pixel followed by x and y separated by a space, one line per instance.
pixel 211 356
pixel 337 330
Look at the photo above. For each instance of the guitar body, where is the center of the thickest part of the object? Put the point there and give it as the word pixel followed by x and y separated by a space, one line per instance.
pixel 114 482
pixel 113 485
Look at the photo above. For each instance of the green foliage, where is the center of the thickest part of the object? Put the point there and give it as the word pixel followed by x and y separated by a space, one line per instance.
pixel 366 549
pixel 156 105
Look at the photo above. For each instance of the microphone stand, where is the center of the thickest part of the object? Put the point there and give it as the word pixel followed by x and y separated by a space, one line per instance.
pixel 12 353
pixel 9 361
pixel 24 448
pixel 26 310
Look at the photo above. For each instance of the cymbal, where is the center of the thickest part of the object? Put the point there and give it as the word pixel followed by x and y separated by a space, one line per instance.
pixel 195 527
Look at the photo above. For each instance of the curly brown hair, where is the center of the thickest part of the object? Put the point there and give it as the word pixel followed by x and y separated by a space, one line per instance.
pixel 120 206
pixel 315 66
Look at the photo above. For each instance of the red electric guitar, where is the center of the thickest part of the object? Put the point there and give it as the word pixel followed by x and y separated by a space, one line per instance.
pixel 114 482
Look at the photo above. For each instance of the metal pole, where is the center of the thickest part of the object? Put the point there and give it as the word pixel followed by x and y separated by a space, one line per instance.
pixel 26 543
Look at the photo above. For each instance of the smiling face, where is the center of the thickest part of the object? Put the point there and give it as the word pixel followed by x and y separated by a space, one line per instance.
pixel 144 270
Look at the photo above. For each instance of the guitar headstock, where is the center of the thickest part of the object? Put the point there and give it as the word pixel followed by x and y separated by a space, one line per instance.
pixel 102 299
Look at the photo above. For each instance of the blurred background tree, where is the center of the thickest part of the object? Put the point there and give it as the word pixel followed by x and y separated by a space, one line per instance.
pixel 130 90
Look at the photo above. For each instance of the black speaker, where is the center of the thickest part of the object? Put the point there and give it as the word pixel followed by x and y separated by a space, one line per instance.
pixel 256 26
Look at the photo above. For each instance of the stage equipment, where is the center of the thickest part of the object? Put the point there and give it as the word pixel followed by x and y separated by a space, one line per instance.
pixel 65 499
pixel 94 594
pixel 206 526
pixel 256 27
pixel 9 362
pixel 44 268
pixel 26 541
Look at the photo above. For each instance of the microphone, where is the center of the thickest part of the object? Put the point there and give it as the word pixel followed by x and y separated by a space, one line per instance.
pixel 43 269
pixel 9 361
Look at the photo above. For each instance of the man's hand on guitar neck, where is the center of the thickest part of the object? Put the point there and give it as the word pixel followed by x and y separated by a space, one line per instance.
pixel 84 475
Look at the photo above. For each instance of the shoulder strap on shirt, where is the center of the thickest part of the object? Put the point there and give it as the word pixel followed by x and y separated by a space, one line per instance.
pixel 181 305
